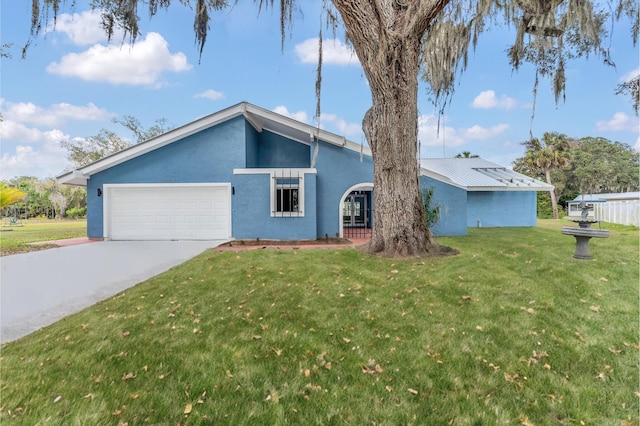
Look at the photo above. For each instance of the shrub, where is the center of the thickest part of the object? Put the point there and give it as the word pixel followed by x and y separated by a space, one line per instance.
pixel 76 212
pixel 545 211
pixel 431 210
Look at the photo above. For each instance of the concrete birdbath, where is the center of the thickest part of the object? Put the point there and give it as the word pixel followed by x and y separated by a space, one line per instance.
pixel 584 233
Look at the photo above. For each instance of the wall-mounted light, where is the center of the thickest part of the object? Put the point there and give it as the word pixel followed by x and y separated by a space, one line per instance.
pixel 99 192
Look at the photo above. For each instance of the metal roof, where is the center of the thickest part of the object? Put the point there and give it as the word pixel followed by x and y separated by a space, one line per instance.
pixel 616 196
pixel 477 174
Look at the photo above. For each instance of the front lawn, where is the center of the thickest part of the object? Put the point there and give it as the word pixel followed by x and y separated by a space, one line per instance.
pixel 16 239
pixel 513 330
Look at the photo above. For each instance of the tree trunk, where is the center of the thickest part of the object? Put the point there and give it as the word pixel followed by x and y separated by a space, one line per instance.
pixel 387 37
pixel 554 199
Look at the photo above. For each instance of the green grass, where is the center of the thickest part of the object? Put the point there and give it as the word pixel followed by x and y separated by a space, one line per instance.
pixel 16 239
pixel 513 330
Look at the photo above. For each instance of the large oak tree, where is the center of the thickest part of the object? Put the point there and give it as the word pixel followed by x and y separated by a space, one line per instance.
pixel 394 40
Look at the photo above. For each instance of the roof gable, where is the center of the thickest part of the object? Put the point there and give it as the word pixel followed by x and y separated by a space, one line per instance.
pixel 260 118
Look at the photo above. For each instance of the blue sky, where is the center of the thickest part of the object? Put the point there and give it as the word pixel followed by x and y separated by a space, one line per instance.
pixel 73 83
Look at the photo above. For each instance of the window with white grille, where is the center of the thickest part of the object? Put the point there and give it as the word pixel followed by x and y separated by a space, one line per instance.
pixel 287 191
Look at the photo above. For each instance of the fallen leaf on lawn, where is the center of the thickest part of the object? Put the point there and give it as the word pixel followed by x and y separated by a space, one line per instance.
pixel 603 279
pixel 257 337
pixel 126 333
pixel 595 308
pixel 412 391
pixel 395 271
pixel 510 378
pixel 116 412
pixel 307 372
pixel 378 369
pixel 85 326
pixel 367 370
pixel 547 366
pixel 479 328
pixel 579 336
pixel 529 310
pixel 615 351
pixel 228 373
pixel 89 396
pixel 161 376
pixel 388 388
pixel 346 340
pixel 128 376
pixel 187 409
pixel 466 297
pixel 57 399
pixel 524 421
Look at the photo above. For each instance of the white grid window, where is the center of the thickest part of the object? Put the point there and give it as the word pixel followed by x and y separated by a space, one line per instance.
pixel 287 195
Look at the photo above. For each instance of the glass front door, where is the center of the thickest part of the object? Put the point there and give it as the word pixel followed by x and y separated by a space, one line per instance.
pixel 355 211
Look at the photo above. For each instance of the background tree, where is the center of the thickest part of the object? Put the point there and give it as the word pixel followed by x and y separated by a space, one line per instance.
pixel 392 40
pixel 602 166
pixel 9 195
pixel 106 142
pixel 549 153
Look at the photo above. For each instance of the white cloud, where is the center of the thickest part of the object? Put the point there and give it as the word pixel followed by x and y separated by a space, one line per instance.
pixel 55 115
pixel 342 127
pixel 483 133
pixel 488 99
pixel 300 115
pixel 432 135
pixel 631 74
pixel 210 94
pixel 40 156
pixel 620 122
pixel 82 28
pixel 333 52
pixel 140 64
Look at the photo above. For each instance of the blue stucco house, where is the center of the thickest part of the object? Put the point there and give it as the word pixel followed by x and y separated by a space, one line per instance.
pixel 246 172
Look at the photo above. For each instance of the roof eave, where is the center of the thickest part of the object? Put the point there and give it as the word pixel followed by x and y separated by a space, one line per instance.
pixel 75 177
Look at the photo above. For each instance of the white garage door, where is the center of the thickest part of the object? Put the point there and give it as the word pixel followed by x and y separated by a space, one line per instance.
pixel 168 212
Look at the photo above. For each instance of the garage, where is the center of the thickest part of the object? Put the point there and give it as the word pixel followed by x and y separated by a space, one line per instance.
pixel 167 211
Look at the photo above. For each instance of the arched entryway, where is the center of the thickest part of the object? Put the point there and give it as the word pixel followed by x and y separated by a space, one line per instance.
pixel 356 212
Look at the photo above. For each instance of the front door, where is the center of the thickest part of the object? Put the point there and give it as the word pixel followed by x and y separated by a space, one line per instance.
pixel 356 214
pixel 354 211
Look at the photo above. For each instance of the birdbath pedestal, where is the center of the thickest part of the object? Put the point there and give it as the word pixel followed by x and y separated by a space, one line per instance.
pixel 584 233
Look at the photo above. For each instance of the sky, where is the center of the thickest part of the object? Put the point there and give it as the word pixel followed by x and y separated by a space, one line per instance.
pixel 74 82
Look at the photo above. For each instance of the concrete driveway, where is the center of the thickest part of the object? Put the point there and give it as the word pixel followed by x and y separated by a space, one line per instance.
pixel 39 288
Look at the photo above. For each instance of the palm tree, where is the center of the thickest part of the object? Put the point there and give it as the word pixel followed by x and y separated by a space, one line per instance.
pixel 466 154
pixel 552 152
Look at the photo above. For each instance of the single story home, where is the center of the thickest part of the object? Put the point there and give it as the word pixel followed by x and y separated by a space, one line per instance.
pixel 246 172
pixel 622 208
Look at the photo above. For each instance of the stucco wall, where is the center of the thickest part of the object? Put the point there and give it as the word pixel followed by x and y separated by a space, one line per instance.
pixel 252 210
pixel 501 208
pixel 207 156
pixel 338 169
pixel 277 151
pixel 453 207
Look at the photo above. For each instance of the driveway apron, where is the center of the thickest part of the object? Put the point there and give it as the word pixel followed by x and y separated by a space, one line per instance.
pixel 39 288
